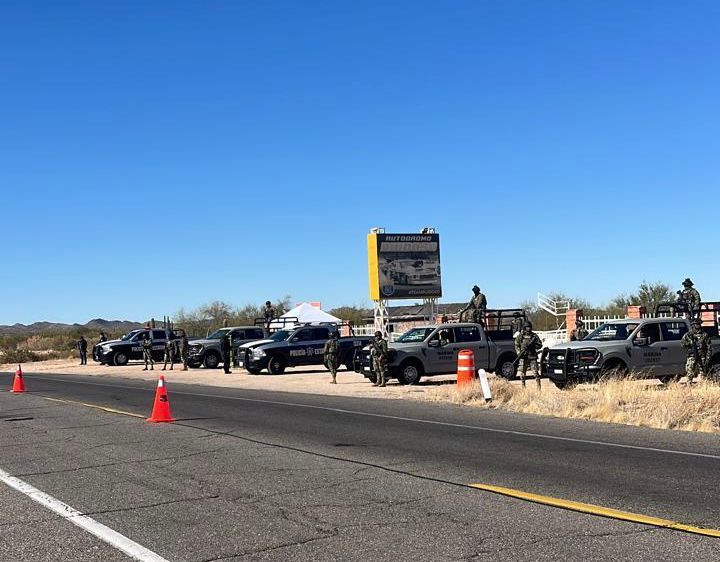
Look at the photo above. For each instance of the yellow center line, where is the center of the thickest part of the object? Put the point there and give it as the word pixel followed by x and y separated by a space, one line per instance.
pixel 598 510
pixel 103 408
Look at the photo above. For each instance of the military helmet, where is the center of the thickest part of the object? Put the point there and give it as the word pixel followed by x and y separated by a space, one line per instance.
pixel 378 334
pixel 475 288
pixel 696 323
pixel 688 282
pixel 267 303
pixel 527 324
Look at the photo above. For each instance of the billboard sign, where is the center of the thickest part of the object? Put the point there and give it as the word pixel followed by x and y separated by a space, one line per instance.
pixel 404 266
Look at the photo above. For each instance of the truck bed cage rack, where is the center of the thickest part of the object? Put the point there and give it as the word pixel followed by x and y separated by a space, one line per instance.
pixel 283 321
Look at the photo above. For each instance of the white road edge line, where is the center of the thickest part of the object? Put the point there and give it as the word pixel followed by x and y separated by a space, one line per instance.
pixel 106 534
pixel 415 420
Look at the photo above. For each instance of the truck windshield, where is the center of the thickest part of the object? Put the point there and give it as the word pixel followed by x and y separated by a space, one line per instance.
pixel 280 335
pixel 219 334
pixel 130 335
pixel 612 332
pixel 415 335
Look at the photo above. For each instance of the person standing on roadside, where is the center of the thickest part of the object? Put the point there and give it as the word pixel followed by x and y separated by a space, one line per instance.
pixel 516 325
pixel 697 344
pixel 82 349
pixel 226 350
pixel 268 316
pixel 170 349
pixel 331 353
pixel 379 354
pixel 690 298
pixel 184 350
pixel 527 347
pixel 147 352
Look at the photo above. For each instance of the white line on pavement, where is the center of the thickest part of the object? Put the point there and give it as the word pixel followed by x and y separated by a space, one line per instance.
pixel 106 534
pixel 415 420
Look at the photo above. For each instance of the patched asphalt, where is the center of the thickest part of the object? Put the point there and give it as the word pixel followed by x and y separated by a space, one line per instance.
pixel 252 480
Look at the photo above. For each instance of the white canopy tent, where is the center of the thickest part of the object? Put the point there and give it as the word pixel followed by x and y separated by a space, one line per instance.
pixel 305 312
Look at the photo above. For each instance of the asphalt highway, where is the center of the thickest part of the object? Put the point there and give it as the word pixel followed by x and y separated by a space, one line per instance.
pixel 247 475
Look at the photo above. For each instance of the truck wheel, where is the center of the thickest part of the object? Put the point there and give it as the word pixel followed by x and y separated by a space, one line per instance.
pixel 410 372
pixel 211 361
pixel 667 379
pixel 506 368
pixel 613 369
pixel 565 385
pixel 119 359
pixel 276 365
pixel 371 377
pixel 253 370
pixel 713 370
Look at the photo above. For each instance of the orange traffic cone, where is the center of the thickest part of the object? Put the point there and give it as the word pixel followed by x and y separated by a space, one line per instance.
pixel 466 367
pixel 161 408
pixel 18 382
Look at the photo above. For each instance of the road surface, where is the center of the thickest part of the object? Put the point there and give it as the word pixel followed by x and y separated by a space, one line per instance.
pixel 251 475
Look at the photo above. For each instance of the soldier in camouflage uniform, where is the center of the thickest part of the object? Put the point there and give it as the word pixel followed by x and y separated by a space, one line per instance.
pixel 184 350
pixel 697 344
pixel 170 351
pixel 226 350
pixel 516 325
pixel 690 297
pixel 147 352
pixel 527 347
pixel 268 316
pixel 331 353
pixel 476 306
pixel 379 354
pixel 579 333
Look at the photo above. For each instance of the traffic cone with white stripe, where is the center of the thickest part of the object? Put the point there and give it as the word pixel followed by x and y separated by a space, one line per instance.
pixel 18 382
pixel 161 408
pixel 466 367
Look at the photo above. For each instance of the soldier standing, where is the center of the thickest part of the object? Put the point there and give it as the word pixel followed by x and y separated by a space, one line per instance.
pixel 477 307
pixel 697 344
pixel 579 333
pixel 170 349
pixel 527 346
pixel 379 354
pixel 268 316
pixel 184 349
pixel 82 348
pixel 517 324
pixel 331 352
pixel 147 352
pixel 690 297
pixel 226 349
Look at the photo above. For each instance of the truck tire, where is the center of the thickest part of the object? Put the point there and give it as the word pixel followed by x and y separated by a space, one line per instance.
pixel 612 369
pixel 253 370
pixel 371 377
pixel 410 372
pixel 565 385
pixel 119 358
pixel 506 367
pixel 212 360
pixel 276 365
pixel 667 379
pixel 713 370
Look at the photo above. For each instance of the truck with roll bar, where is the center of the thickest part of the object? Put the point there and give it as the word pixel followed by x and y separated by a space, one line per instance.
pixel 647 347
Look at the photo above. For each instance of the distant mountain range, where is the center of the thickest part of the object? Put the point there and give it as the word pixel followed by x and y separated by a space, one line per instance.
pixel 42 327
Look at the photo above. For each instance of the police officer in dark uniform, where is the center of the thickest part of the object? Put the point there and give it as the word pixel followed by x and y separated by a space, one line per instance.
pixel 147 352
pixel 82 348
pixel 226 350
pixel 184 350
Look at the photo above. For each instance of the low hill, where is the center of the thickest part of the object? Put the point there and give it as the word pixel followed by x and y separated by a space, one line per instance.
pixel 54 327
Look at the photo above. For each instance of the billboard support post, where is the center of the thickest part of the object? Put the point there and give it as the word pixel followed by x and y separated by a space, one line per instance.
pixel 381 317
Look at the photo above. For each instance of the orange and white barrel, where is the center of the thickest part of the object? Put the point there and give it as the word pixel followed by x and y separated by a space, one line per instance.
pixel 466 367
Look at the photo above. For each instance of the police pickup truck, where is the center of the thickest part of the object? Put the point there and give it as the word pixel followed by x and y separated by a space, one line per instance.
pixel 433 350
pixel 130 347
pixel 647 347
pixel 301 345
pixel 207 351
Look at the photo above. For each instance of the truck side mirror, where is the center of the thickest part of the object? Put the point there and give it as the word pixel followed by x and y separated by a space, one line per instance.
pixel 434 343
pixel 641 342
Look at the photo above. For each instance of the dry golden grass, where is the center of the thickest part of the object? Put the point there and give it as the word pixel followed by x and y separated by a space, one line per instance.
pixel 625 401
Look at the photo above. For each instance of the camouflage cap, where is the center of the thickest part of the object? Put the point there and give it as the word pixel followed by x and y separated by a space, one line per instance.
pixel 696 323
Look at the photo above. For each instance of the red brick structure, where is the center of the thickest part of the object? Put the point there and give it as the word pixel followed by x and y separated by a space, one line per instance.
pixel 571 316
pixel 636 311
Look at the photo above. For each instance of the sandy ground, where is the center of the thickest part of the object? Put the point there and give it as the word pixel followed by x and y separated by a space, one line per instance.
pixel 311 380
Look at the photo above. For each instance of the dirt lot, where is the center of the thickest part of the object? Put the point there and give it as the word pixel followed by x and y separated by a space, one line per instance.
pixel 311 380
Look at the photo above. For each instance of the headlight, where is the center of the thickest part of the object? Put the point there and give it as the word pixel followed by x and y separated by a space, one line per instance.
pixel 197 348
pixel 258 354
pixel 106 349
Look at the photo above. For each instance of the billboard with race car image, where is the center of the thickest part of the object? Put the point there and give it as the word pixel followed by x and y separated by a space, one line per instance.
pixel 404 266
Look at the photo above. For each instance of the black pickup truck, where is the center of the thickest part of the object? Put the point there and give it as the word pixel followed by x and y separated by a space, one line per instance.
pixel 130 346
pixel 301 345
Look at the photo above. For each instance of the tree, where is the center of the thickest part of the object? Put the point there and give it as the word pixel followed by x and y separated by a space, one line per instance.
pixel 353 314
pixel 648 295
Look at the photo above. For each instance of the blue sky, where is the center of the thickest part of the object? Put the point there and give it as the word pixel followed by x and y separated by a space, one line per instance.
pixel 165 154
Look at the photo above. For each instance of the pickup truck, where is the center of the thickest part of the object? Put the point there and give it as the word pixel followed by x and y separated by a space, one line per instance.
pixel 290 347
pixel 433 350
pixel 130 347
pixel 206 351
pixel 647 347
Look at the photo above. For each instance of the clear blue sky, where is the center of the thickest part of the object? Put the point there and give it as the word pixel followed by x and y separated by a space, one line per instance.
pixel 155 155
